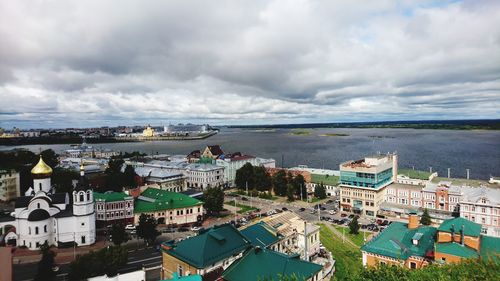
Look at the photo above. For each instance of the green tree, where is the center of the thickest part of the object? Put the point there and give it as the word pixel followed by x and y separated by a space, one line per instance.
pixel 213 198
pixel 354 226
pixel 280 183
pixel 105 261
pixel 129 177
pixel 118 234
pixel 426 218
pixel 262 180
pixel 299 185
pixel 146 229
pixel 290 192
pixel 244 175
pixel 46 264
pixel 62 179
pixel 319 191
pixel 50 157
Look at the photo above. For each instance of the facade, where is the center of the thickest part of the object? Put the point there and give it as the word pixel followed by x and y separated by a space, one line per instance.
pixel 264 264
pixel 207 254
pixel 165 179
pixel 232 163
pixel 482 205
pixel 9 185
pixel 43 216
pixel 202 176
pixel 148 132
pixel 363 182
pixel 87 151
pixel 113 207
pixel 212 151
pixel 168 207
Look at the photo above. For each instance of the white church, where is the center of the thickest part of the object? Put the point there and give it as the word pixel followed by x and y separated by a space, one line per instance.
pixel 44 216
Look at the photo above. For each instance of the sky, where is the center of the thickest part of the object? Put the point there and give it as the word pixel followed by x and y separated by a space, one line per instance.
pixel 105 63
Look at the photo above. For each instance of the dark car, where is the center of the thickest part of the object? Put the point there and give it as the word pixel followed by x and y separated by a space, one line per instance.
pixel 244 198
pixel 329 201
pixel 169 230
pixel 302 209
pixel 284 209
pixel 343 215
pixel 323 209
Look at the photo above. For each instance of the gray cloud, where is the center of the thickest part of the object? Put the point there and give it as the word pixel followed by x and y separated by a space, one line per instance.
pixel 247 62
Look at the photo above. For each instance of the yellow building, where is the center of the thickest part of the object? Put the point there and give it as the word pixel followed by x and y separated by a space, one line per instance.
pixel 148 132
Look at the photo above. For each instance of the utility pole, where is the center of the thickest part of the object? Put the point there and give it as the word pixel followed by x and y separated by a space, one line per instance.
pixel 301 199
pixel 448 172
pixel 430 170
pixel 467 173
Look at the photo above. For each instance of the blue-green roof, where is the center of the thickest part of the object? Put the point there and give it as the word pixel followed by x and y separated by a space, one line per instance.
pixel 176 277
pixel 154 199
pixel 264 264
pixel 456 249
pixel 209 247
pixel 455 225
pixel 261 234
pixel 490 247
pixel 396 241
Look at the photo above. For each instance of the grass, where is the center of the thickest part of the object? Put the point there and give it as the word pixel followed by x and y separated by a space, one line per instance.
pixel 325 179
pixel 347 257
pixel 333 135
pixel 415 174
pixel 300 133
pixel 243 208
pixel 356 238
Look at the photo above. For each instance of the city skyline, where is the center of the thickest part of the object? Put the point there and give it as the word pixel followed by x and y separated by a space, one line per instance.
pixel 90 64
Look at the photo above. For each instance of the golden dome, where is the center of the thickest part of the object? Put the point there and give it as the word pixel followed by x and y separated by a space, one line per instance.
pixel 41 168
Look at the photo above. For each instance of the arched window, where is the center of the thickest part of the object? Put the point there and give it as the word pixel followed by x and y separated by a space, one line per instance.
pixel 36 230
pixel 40 185
pixel 88 195
pixel 45 228
pixel 81 196
pixel 74 197
pixel 38 205
pixel 29 230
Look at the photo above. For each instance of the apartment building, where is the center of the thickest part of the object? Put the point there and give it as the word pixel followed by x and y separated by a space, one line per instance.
pixel 9 185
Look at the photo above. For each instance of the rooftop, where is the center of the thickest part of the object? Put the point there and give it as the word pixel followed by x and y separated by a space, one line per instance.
pixel 264 264
pixel 456 249
pixel 209 247
pixel 490 247
pixel 111 196
pixel 261 234
pixel 455 225
pixel 153 199
pixel 396 241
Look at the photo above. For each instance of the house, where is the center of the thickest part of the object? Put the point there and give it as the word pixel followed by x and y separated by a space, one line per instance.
pixel 406 244
pixel 9 185
pixel 212 151
pixel 168 207
pixel 207 254
pixel 263 264
pixel 262 235
pixel 113 207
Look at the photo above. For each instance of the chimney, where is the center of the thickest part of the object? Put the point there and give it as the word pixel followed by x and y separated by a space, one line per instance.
pixel 462 240
pixel 413 221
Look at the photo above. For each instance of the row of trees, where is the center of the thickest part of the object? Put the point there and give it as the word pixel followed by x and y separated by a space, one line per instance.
pixel 116 180
pixel 253 177
pixel 105 261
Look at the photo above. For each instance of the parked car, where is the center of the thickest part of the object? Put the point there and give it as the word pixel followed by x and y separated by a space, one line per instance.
pixel 244 198
pixel 329 201
pixel 195 228
pixel 284 209
pixel 343 215
pixel 130 227
pixel 169 230
pixel 133 232
pixel 313 211
pixel 331 212
pixel 302 209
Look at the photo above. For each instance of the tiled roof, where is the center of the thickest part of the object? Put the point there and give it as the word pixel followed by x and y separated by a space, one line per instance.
pixel 470 228
pixel 490 247
pixel 153 199
pixel 111 196
pixel 396 241
pixel 264 264
pixel 209 247
pixel 215 150
pixel 261 234
pixel 456 249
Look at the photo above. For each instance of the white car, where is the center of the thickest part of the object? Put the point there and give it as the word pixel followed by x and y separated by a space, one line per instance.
pixel 332 212
pixel 130 227
pixel 195 228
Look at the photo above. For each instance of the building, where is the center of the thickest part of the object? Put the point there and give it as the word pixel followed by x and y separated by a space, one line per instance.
pixel 148 132
pixel 363 182
pixel 42 216
pixel 168 207
pixel 402 244
pixel 202 176
pixel 207 254
pixel 9 185
pixel 113 207
pixel 87 151
pixel 263 264
pixel 482 205
pixel 6 263
pixel 212 151
pixel 414 177
pixel 459 239
pixel 233 162
pixel 175 277
pixel 262 235
pixel 164 178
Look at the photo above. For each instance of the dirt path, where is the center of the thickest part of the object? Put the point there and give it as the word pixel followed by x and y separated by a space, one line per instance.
pixel 339 234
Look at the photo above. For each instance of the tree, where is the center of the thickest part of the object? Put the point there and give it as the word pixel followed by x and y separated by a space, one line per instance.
pixel 105 261
pixel 319 191
pixel 213 198
pixel 118 234
pixel 244 175
pixel 262 180
pixel 129 177
pixel 50 157
pixel 46 264
pixel 354 226
pixel 146 229
pixel 62 179
pixel 426 218
pixel 290 192
pixel 280 183
pixel 298 183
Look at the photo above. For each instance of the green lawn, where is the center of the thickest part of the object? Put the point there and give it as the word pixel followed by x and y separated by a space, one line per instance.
pixel 348 258
pixel 415 174
pixel 325 179
pixel 243 208
pixel 356 238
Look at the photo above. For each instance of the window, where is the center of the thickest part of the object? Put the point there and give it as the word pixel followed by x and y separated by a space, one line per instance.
pixel 83 224
pixel 36 231
pixel 38 205
pixel 81 196
pixel 29 230
pixel 180 270
pixel 413 265
pixel 45 228
pixel 88 195
pixel 40 185
pixel 83 239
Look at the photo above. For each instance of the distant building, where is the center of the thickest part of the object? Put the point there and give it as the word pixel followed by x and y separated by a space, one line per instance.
pixel 87 151
pixel 233 162
pixel 148 132
pixel 212 151
pixel 202 176
pixel 165 179
pixel 168 207
pixel 207 254
pixel 363 182
pixel 113 207
pixel 482 205
pixel 9 185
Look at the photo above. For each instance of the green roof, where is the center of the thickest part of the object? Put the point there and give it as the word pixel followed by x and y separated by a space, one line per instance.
pixel 490 247
pixel 456 249
pixel 261 234
pixel 265 264
pixel 415 174
pixel 470 228
pixel 325 179
pixel 154 199
pixel 209 247
pixel 396 241
pixel 111 196
pixel 176 277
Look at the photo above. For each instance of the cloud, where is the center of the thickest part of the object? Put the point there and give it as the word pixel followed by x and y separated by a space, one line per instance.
pixel 134 62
